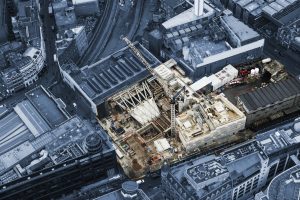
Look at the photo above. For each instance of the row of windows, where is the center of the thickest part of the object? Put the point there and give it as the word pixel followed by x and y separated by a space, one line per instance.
pixel 246 187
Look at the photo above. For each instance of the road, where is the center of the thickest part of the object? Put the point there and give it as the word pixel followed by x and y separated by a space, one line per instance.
pixel 131 23
pixel 127 20
pixel 289 58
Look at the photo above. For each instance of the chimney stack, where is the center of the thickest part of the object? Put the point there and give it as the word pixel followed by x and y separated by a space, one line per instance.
pixel 198 6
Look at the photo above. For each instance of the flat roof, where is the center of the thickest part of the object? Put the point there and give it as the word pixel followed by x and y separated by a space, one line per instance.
pixel 31 117
pixel 47 107
pixel 275 92
pixel 205 171
pixel 280 138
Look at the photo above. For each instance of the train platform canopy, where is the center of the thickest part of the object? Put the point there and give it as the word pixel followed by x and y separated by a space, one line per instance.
pixel 34 116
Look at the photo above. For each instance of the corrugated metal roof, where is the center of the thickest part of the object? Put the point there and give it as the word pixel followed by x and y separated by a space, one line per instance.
pixel 271 94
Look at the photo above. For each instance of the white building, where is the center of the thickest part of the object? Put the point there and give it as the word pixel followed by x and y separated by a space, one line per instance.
pixel 216 80
pixel 224 120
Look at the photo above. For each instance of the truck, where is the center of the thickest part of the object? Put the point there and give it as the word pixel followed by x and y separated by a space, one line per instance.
pixel 55 57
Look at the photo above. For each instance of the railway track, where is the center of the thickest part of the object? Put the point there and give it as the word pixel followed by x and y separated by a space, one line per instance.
pixel 100 33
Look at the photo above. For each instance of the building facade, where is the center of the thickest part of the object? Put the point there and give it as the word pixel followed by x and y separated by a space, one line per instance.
pixel 236 173
pixel 25 69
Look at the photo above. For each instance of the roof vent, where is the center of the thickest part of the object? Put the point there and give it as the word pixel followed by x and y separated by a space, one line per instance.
pixel 93 143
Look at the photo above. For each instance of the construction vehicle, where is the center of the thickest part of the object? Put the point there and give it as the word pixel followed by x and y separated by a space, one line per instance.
pixel 173 111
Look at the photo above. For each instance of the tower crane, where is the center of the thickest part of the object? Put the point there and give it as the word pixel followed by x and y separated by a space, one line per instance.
pixel 173 114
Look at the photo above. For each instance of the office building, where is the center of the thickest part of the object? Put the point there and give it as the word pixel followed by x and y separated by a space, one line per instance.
pixel 45 153
pixel 203 45
pixel 71 45
pixel 285 186
pixel 238 172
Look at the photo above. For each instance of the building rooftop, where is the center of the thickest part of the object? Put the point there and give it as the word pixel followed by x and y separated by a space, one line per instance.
pixel 203 175
pixel 188 16
pixel 47 106
pixel 66 39
pixel 109 75
pixel 64 15
pixel 28 25
pixel 28 120
pixel 194 131
pixel 243 32
pixel 205 47
pixel 276 139
pixel 205 171
pixel 270 94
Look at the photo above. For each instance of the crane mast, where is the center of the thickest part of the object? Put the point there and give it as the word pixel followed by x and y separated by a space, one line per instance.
pixel 140 56
pixel 173 112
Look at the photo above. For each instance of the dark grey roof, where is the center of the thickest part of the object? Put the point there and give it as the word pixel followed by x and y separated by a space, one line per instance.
pixel 46 106
pixel 109 75
pixel 275 92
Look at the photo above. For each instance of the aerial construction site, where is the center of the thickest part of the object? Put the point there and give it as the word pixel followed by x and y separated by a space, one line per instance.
pixel 162 118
